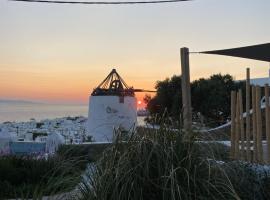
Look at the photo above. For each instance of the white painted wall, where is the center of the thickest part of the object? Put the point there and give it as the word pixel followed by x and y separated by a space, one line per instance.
pixel 106 113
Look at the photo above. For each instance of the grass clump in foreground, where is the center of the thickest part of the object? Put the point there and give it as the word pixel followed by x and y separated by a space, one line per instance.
pixel 157 165
pixel 85 152
pixel 151 165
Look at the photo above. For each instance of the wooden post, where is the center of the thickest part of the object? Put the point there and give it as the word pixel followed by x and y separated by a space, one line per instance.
pixel 248 115
pixel 267 121
pixel 237 127
pixel 186 92
pixel 242 129
pixel 233 101
pixel 254 125
pixel 259 124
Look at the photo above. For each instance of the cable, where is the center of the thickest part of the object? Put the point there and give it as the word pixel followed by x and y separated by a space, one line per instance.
pixel 101 2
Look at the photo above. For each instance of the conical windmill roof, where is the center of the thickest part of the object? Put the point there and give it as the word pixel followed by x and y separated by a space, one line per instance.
pixel 113 85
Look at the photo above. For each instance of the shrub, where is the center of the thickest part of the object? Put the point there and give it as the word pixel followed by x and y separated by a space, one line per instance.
pixel 24 177
pixel 86 152
pixel 248 181
pixel 39 124
pixel 214 150
pixel 36 134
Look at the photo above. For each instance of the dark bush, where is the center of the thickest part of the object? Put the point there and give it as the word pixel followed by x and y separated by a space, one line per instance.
pixel 83 152
pixel 249 181
pixel 27 177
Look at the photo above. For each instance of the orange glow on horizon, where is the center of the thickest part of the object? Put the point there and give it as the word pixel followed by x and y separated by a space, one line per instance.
pixel 70 83
pixel 56 86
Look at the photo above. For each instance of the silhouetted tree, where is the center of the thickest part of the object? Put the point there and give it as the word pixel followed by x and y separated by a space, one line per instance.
pixel 210 97
pixel 168 98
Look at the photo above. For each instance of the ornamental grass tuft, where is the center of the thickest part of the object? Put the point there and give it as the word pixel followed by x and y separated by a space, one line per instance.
pixel 156 165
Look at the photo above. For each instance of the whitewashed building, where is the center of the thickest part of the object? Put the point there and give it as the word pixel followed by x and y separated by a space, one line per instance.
pixel 5 138
pixel 112 105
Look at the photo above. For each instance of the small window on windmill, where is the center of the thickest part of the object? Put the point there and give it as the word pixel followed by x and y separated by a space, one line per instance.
pixel 121 99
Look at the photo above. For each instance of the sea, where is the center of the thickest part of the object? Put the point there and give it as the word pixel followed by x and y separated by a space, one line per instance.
pixel 25 111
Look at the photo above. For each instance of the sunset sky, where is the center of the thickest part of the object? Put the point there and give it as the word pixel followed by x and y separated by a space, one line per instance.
pixel 59 53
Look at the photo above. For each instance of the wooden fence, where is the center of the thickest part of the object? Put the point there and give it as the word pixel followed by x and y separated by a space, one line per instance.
pixel 250 130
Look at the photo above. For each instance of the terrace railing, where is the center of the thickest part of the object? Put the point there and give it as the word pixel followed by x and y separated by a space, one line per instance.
pixel 250 131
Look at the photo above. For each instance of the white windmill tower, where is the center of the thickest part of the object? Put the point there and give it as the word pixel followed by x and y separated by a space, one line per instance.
pixel 112 105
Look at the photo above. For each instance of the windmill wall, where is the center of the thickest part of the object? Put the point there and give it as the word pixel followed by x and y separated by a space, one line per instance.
pixel 107 113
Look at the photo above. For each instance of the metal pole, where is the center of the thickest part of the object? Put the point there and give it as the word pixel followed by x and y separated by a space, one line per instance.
pixel 186 92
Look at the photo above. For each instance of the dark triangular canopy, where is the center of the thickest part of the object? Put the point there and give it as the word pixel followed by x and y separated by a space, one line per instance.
pixel 257 52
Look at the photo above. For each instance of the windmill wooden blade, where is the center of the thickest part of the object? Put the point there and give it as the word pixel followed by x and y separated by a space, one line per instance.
pixel 142 90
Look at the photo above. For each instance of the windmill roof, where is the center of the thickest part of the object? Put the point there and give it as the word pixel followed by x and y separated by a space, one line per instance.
pixel 113 85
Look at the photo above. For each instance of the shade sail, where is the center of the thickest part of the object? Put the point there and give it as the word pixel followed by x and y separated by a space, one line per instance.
pixel 257 52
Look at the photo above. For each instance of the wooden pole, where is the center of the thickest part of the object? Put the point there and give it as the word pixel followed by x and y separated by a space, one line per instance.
pixel 248 115
pixel 267 121
pixel 259 124
pixel 254 125
pixel 241 123
pixel 233 101
pixel 237 127
pixel 186 92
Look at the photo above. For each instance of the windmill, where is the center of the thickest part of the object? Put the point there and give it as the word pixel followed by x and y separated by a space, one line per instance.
pixel 112 105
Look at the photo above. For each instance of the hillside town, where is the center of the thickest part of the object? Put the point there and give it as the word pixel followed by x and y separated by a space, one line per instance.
pixel 45 135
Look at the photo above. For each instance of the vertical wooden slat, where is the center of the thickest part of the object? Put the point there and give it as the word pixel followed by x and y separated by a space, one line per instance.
pixel 237 127
pixel 248 115
pixel 259 124
pixel 267 121
pixel 242 129
pixel 233 101
pixel 254 125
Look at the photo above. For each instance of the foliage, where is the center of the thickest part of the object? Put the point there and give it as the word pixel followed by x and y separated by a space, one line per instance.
pixel 39 124
pixel 265 186
pixel 210 97
pixel 36 134
pixel 152 164
pixel 247 181
pixel 214 150
pixel 73 118
pixel 82 152
pixel 155 165
pixel 167 98
pixel 89 138
pixel 25 177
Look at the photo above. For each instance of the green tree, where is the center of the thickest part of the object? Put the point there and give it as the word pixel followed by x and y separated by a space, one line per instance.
pixel 210 97
pixel 168 98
